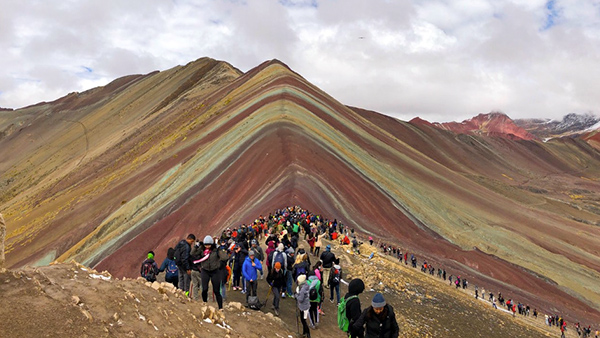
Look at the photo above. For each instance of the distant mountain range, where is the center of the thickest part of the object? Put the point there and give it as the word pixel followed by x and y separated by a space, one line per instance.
pixel 500 125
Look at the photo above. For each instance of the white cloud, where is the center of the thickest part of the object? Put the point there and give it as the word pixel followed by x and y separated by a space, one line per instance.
pixel 438 59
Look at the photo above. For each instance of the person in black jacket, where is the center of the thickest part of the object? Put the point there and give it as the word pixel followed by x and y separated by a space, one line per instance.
pixel 379 319
pixel 237 261
pixel 328 258
pixel 353 311
pixel 182 258
pixel 277 279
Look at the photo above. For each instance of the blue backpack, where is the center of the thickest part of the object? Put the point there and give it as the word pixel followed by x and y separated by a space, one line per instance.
pixel 172 270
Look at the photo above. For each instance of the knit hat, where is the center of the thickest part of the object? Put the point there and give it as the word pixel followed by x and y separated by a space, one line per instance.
pixel 378 300
pixel 328 247
pixel 150 255
pixel 251 253
pixel 301 279
pixel 280 247
pixel 277 265
pixel 208 240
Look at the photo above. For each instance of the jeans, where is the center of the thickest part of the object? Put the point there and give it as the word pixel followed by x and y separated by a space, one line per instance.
pixel 276 296
pixel 317 250
pixel 196 282
pixel 290 281
pixel 184 280
pixel 337 291
pixel 215 279
pixel 236 277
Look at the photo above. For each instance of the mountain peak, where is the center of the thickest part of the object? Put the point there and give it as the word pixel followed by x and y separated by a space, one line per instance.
pixel 495 124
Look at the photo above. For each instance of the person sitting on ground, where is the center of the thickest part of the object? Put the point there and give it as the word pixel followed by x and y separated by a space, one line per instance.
pixel 303 301
pixel 149 269
pixel 169 265
pixel 379 320
pixel 353 310
pixel 251 265
pixel 276 278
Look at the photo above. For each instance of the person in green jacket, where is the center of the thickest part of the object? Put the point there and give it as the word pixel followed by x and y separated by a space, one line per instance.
pixel 314 293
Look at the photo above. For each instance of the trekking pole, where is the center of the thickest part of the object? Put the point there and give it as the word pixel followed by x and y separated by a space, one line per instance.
pixel 231 277
pixel 297 323
pixel 268 294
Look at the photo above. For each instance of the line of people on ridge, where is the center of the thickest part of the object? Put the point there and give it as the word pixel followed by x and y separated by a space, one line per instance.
pixel 458 282
pixel 235 261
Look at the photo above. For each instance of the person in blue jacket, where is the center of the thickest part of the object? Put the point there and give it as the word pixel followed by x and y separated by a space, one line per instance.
pixel 251 265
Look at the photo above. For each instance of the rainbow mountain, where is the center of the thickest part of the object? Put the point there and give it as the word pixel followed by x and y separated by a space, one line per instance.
pixel 105 175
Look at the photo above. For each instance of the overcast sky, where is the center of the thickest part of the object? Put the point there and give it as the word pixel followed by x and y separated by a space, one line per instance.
pixel 438 59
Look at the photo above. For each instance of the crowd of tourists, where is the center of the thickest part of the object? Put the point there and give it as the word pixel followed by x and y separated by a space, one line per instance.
pixel 236 261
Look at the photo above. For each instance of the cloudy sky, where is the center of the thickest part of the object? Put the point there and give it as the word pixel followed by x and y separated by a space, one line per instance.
pixel 439 59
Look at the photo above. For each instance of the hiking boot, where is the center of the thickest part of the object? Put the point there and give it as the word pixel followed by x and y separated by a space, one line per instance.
pixel 291 295
pixel 283 295
pixel 276 312
pixel 331 300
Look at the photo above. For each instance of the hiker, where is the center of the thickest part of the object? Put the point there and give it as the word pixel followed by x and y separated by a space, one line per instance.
pixel 149 269
pixel 379 320
pixel 169 265
pixel 353 310
pixel 289 252
pixel 301 266
pixel 319 243
pixel 2 239
pixel 335 277
pixel 258 251
pixel 237 260
pixel 182 258
pixel 303 300
pixel 328 258
pixel 251 264
pixel 278 256
pixel 317 271
pixel 196 277
pixel 315 296
pixel 211 262
pixel 371 241
pixel 276 279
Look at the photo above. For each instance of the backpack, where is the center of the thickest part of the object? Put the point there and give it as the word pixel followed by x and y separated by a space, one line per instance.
pixel 254 303
pixel 179 248
pixel 343 321
pixel 172 270
pixel 148 271
pixel 313 294
pixel 300 270
pixel 280 257
pixel 335 280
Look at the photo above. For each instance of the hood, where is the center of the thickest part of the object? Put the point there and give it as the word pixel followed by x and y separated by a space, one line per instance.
pixel 271 245
pixel 356 286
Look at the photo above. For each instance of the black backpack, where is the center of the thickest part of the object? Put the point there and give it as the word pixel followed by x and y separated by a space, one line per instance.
pixel 148 271
pixel 179 252
pixel 254 303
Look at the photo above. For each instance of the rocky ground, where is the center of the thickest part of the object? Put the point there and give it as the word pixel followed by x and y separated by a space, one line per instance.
pixel 75 301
